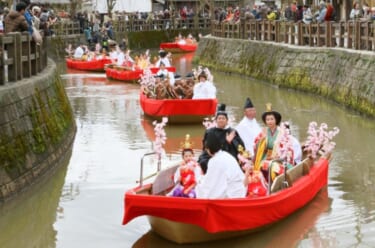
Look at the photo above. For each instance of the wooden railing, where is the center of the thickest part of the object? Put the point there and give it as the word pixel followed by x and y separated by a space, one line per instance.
pixel 20 57
pixel 63 28
pixel 135 25
pixel 357 35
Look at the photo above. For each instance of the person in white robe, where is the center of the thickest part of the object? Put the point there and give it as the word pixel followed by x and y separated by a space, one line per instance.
pixel 78 52
pixel 249 128
pixel 204 89
pixel 163 58
pixel 224 178
pixel 163 72
pixel 120 58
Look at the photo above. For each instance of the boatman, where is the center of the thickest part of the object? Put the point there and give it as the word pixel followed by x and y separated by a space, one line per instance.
pixel 224 178
pixel 204 89
pixel 249 128
pixel 163 58
pixel 229 139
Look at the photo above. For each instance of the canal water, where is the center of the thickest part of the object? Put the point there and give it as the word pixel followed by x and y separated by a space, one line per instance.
pixel 82 205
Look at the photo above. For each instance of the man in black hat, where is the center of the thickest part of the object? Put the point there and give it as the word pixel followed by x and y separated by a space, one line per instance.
pixel 228 138
pixel 224 178
pixel 248 128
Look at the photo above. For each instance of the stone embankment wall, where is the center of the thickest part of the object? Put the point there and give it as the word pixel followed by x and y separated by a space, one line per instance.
pixel 344 76
pixel 37 130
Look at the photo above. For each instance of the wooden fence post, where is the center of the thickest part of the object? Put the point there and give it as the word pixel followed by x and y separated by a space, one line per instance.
pixel 13 50
pixel 2 61
pixel 26 55
pixel 357 38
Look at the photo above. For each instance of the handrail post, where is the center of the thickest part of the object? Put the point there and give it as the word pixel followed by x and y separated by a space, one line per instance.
pixel 141 169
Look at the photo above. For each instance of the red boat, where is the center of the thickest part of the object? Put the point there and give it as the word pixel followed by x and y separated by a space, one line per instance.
pixel 286 233
pixel 178 110
pixel 122 74
pixel 176 47
pixel 92 65
pixel 126 74
pixel 187 220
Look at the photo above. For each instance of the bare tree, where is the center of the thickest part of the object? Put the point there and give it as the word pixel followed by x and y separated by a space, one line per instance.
pixel 110 5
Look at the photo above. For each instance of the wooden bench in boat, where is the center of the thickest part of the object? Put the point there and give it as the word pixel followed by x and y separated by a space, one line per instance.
pixel 295 173
pixel 164 181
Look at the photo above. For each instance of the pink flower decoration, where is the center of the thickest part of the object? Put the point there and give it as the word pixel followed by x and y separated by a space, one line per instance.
pixel 285 145
pixel 319 138
pixel 160 136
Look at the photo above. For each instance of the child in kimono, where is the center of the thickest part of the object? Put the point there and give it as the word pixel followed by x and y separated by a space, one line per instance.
pixel 188 173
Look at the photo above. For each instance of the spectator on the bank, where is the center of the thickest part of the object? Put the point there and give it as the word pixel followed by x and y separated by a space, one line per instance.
pixel 229 16
pixel 88 35
pixel 330 14
pixel 356 11
pixel 366 12
pixel 109 29
pixel 36 13
pixel 256 12
pixel 28 16
pixel 307 15
pixel 271 15
pixel 248 14
pixel 299 13
pixel 15 21
pixel 322 12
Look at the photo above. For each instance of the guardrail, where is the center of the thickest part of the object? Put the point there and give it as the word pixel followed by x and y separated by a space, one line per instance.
pixel 63 28
pixel 20 57
pixel 358 35
pixel 134 25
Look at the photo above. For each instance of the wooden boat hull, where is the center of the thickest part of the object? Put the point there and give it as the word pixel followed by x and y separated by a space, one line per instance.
pixel 211 219
pixel 175 47
pixel 92 65
pixel 181 111
pixel 123 74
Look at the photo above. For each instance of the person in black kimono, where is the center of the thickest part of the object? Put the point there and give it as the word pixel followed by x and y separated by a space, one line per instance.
pixel 228 137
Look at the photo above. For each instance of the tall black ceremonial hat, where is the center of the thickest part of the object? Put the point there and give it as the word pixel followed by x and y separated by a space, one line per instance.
pixel 248 103
pixel 162 53
pixel 221 110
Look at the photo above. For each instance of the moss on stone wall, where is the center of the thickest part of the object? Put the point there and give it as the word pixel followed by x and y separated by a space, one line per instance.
pixel 50 116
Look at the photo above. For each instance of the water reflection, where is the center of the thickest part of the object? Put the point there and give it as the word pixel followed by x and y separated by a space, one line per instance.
pixel 113 135
pixel 27 221
pixel 286 233
pixel 176 135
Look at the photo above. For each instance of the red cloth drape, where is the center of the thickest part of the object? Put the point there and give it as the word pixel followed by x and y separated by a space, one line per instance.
pixel 170 107
pixel 217 215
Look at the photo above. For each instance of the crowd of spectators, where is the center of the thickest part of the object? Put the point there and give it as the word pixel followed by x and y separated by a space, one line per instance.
pixel 36 15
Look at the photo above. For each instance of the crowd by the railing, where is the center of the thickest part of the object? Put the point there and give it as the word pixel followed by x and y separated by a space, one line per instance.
pixel 20 57
pixel 22 50
pixel 357 35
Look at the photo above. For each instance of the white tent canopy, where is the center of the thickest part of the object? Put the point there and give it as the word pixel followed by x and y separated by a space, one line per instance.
pixel 124 5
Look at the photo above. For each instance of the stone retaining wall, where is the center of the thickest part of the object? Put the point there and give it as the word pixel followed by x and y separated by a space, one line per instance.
pixel 346 77
pixel 37 130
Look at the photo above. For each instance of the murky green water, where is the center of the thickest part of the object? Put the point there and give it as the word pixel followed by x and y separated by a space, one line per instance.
pixel 83 205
